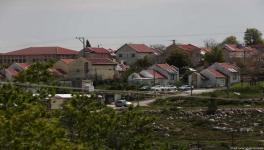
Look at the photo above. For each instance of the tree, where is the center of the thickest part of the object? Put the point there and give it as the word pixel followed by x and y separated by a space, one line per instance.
pixel 253 36
pixel 230 40
pixel 25 122
pixel 38 72
pixel 141 64
pixel 100 127
pixel 178 59
pixel 216 55
pixel 210 43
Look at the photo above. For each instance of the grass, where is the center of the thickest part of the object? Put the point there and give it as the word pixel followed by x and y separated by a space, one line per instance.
pixel 175 129
pixel 240 91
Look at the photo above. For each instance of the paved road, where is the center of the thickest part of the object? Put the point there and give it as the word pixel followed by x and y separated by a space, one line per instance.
pixel 146 102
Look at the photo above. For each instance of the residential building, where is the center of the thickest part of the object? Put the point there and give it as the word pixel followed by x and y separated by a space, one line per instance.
pixel 169 71
pixel 238 53
pixel 130 53
pixel 162 74
pixel 216 75
pixel 213 78
pixel 95 52
pixel 231 71
pixel 194 53
pixel 13 70
pixel 147 77
pixel 86 68
pixel 33 54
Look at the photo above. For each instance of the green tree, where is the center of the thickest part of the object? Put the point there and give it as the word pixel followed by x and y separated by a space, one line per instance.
pixel 178 59
pixel 141 64
pixel 253 36
pixel 230 40
pixel 37 73
pixel 216 55
pixel 100 127
pixel 25 122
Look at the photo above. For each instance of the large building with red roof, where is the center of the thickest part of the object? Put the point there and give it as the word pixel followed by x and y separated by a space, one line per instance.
pixel 33 54
pixel 130 53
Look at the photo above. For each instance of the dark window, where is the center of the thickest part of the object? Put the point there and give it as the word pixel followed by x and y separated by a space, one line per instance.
pixel 120 55
pixel 132 55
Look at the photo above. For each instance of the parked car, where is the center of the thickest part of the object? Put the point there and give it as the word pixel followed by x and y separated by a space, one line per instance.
pixel 122 103
pixel 185 88
pixel 145 88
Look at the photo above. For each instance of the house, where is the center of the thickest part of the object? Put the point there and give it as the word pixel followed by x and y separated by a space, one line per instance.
pixel 147 77
pixel 216 75
pixel 190 50
pixel 95 52
pixel 86 68
pixel 169 71
pixel 13 70
pixel 33 54
pixel 231 71
pixel 162 74
pixel 130 53
pixel 237 53
pixel 214 78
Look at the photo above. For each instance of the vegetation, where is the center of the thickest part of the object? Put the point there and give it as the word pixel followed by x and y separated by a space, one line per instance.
pixel 216 55
pixel 253 36
pixel 179 60
pixel 230 40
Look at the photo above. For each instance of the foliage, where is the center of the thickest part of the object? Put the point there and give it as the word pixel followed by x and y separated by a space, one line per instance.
pixel 216 55
pixel 230 40
pixel 100 127
pixel 141 64
pixel 210 43
pixel 25 122
pixel 37 73
pixel 253 36
pixel 179 60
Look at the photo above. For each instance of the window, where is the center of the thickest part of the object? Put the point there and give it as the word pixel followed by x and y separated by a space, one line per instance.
pixel 77 70
pixel 133 55
pixel 120 55
pixel 86 67
pixel 235 76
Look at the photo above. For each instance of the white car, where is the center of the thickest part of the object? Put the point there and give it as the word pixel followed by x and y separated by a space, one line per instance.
pixel 185 87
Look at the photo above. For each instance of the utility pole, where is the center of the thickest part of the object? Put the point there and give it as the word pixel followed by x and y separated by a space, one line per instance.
pixel 82 40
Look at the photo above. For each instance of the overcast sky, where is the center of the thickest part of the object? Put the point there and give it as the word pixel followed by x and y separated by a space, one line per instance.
pixel 111 23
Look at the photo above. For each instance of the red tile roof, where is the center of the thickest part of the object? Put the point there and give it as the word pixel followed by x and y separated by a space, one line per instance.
pixel 228 66
pixel 188 47
pixel 23 65
pixel 67 61
pixel 42 51
pixel 168 68
pixel 101 61
pixel 11 71
pixel 155 74
pixel 216 73
pixel 141 48
pixel 97 50
pixel 236 48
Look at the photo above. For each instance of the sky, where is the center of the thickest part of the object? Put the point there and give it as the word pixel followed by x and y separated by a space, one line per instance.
pixel 112 23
